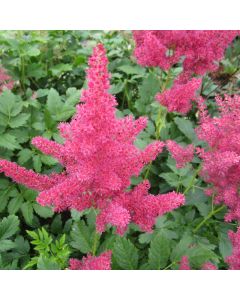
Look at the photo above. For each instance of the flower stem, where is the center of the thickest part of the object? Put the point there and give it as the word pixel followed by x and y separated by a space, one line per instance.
pixel 193 179
pixel 211 214
pixel 169 266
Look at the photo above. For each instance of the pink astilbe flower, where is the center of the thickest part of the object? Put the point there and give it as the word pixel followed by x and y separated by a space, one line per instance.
pixel 179 98
pixel 6 81
pixel 182 155
pixel 201 49
pixel 184 263
pixel 99 157
pixel 209 266
pixel 221 160
pixel 138 206
pixel 234 259
pixel 101 262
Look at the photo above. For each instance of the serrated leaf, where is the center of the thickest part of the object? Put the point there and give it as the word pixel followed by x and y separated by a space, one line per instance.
pixel 8 227
pixel 171 178
pixel 130 70
pixel 186 127
pixel 32 51
pixel 19 120
pixel 43 211
pixel 6 245
pixel 59 69
pixel 27 212
pixel 46 263
pixel 54 102
pixel 125 254
pixel 73 96
pixel 181 248
pixel 9 141
pixel 81 237
pixel 24 155
pixel 147 91
pixel 199 255
pixel 225 245
pixel 10 104
pixel 15 204
pixel 37 163
pixel 159 252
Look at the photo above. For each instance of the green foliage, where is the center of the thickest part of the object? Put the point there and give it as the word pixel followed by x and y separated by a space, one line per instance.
pixel 8 227
pixel 159 252
pixel 49 68
pixel 125 254
pixel 51 255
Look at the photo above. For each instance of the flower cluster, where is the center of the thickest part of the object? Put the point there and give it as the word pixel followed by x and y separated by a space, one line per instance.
pixel 179 98
pixel 99 158
pixel 185 265
pixel 221 161
pixel 101 262
pixel 201 49
pixel 234 259
pixel 182 155
pixel 6 81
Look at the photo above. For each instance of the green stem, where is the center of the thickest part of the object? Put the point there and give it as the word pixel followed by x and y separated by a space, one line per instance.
pixel 169 266
pixel 160 121
pixel 193 179
pixel 211 214
pixel 96 239
pixel 95 242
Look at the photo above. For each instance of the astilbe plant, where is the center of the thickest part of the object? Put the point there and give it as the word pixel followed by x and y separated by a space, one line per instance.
pixel 99 159
pixel 182 155
pixel 234 259
pixel 101 262
pixel 180 96
pixel 185 265
pixel 221 160
pixel 6 81
pixel 200 49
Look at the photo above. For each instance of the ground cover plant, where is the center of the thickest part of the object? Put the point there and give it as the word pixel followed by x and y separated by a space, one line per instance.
pixel 119 150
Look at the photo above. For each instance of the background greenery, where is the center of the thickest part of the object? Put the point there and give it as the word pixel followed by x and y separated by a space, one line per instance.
pixel 49 71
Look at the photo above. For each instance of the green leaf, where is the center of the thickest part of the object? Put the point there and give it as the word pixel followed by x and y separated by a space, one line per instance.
pixel 81 237
pixel 181 248
pixel 186 127
pixel 130 70
pixel 145 238
pixel 19 120
pixel 15 204
pixel 171 178
pixel 159 252
pixel 43 211
pixel 116 88
pixel 199 255
pixel 37 163
pixel 6 245
pixel 48 160
pixel 54 103
pixel 147 91
pixel 8 227
pixel 4 183
pixel 32 51
pixel 9 104
pixel 8 141
pixel 225 245
pixel 24 155
pixel 47 263
pixel 125 254
pixel 73 96
pixel 59 69
pixel 27 212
